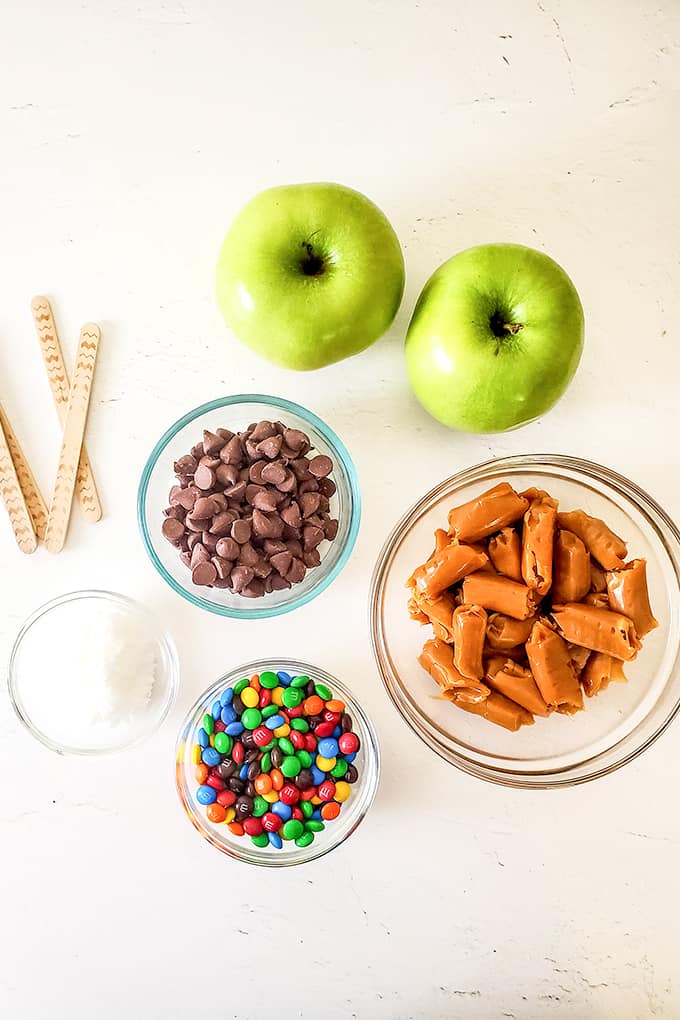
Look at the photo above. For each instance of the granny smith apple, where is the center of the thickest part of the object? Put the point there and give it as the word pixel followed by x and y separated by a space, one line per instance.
pixel 495 338
pixel 309 274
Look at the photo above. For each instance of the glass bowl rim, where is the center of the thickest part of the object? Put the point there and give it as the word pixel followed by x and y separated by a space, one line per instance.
pixel 253 612
pixel 164 641
pixel 370 776
pixel 547 779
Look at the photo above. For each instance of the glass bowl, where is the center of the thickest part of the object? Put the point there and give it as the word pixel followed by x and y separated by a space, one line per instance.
pixel 336 832
pixel 236 413
pixel 33 646
pixel 560 750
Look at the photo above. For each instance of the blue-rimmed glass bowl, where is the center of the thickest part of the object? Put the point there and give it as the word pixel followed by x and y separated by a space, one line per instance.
pixel 237 412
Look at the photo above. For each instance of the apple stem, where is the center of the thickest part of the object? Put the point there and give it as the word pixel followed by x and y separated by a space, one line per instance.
pixel 312 264
pixel 513 327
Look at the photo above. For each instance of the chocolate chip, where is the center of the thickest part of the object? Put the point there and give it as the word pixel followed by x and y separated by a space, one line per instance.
pixel 197 452
pixel 300 468
pixel 186 465
pixel 265 501
pixel 255 471
pixel 187 497
pixel 289 483
pixel 236 493
pixel 254 590
pixel 248 555
pixel 308 485
pixel 309 503
pixel 267 525
pixel 177 512
pixel 296 571
pixel 204 477
pixel 203 509
pixel 278 583
pixel 330 529
pixel 311 537
pixel 194 525
pixel 292 516
pixel 252 491
pixel 209 541
pixel 232 453
pixel 203 573
pixel 320 466
pixel 225 434
pixel 262 568
pixel 185 558
pixel 175 494
pixel 281 562
pixel 327 487
pixel 199 554
pixel 272 546
pixel 212 443
pixel 274 473
pixel 223 567
pixel 270 447
pixel 221 523
pixel 295 547
pixel 311 558
pixel 209 462
pixel 193 538
pixel 173 530
pixel 241 531
pixel 227 474
pixel 227 548
pixel 241 576
pixel 295 439
pixel 262 430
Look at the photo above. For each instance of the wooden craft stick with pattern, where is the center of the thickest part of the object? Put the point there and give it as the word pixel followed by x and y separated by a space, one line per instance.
pixel 13 498
pixel 29 487
pixel 59 384
pixel 72 439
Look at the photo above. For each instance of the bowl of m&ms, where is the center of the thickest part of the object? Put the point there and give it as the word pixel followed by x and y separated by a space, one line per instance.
pixel 277 763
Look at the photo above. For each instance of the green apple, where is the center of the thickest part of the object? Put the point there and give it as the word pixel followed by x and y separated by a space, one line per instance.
pixel 495 338
pixel 310 274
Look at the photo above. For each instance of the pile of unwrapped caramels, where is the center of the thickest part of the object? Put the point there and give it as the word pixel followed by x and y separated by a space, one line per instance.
pixel 530 607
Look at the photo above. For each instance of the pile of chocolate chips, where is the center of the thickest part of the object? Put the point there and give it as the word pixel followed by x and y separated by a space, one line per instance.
pixel 251 508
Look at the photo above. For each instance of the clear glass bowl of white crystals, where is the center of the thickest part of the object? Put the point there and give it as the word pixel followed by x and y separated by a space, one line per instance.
pixel 92 672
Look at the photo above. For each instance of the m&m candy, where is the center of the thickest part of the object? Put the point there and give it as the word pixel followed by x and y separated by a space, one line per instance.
pixel 274 759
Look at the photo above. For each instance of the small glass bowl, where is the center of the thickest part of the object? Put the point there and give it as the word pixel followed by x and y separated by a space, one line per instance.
pixel 562 750
pixel 110 739
pixel 336 832
pixel 236 413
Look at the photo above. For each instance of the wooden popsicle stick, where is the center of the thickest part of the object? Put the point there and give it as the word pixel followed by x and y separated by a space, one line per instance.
pixel 32 495
pixel 13 498
pixel 72 439
pixel 59 384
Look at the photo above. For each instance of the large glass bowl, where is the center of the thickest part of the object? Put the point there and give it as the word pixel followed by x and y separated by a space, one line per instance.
pixel 336 832
pixel 560 750
pixel 236 413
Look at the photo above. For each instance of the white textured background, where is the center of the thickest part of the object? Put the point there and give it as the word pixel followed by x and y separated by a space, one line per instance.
pixel 131 133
